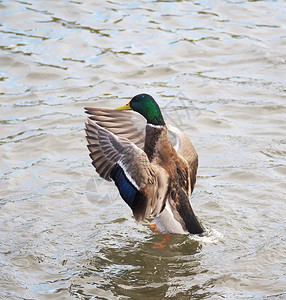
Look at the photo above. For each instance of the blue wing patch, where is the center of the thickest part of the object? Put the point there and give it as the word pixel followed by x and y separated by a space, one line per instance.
pixel 126 189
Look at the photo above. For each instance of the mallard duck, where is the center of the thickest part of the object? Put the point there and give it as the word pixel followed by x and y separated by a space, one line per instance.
pixel 153 176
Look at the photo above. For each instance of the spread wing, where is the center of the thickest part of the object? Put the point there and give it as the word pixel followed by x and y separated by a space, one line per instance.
pixel 126 124
pixel 185 148
pixel 119 159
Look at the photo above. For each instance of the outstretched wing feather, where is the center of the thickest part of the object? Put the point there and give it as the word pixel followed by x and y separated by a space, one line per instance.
pixel 119 159
pixel 125 124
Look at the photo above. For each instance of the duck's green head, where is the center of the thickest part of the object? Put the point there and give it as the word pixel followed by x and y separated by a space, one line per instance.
pixel 145 105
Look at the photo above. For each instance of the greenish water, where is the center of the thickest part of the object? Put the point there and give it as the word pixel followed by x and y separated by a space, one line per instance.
pixel 217 69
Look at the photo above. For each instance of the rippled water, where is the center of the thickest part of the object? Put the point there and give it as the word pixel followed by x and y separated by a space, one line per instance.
pixel 217 69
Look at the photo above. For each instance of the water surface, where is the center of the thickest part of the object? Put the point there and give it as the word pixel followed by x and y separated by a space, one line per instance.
pixel 217 69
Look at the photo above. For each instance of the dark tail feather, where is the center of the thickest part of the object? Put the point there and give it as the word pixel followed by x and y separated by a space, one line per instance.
pixel 187 214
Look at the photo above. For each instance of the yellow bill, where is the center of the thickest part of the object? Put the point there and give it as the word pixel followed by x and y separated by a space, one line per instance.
pixel 124 107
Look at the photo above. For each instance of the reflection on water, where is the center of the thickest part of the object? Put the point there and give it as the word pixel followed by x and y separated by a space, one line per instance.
pixel 141 269
pixel 218 72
